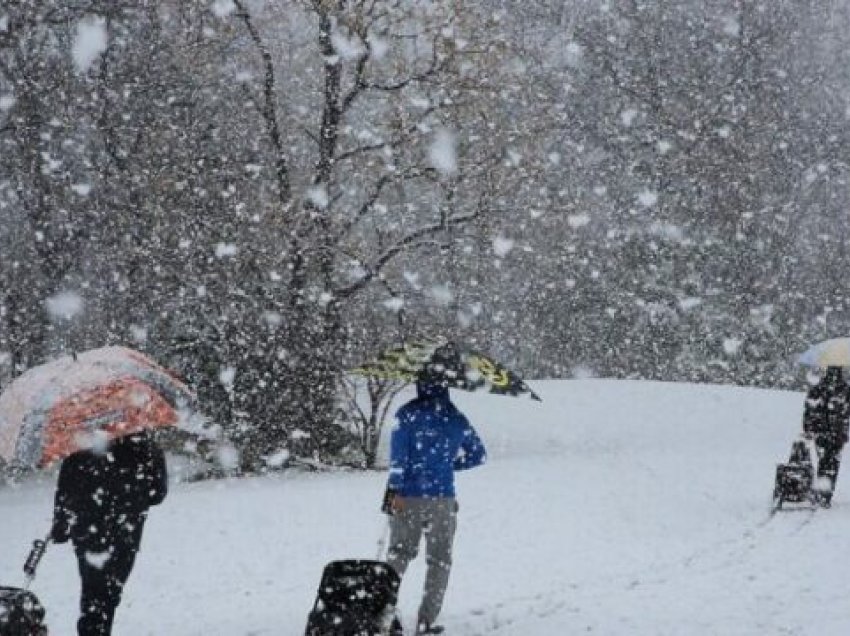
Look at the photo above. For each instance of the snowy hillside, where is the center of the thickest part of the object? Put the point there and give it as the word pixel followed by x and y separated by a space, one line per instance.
pixel 612 508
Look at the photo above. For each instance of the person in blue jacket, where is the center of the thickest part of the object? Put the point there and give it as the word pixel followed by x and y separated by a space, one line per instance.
pixel 431 440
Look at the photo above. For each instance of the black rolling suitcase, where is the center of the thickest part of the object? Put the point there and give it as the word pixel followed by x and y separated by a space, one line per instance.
pixel 21 613
pixel 794 479
pixel 356 598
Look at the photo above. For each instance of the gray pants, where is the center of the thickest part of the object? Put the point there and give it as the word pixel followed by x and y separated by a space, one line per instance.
pixel 437 518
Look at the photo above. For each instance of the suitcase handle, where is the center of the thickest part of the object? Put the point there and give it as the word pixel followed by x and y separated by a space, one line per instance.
pixel 383 542
pixel 39 547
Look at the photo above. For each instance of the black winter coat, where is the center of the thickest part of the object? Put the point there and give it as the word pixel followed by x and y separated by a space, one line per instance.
pixel 827 412
pixel 103 490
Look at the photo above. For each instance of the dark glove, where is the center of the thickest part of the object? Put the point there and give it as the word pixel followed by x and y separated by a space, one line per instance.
pixel 60 532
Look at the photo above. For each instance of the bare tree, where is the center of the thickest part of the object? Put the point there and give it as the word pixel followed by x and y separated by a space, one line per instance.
pixel 375 120
pixel 368 420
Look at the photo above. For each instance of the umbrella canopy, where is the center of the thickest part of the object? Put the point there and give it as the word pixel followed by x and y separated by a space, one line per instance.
pixel 829 353
pixel 80 402
pixel 446 363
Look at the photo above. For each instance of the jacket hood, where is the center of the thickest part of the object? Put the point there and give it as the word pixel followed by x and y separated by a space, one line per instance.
pixel 431 391
pixel 833 376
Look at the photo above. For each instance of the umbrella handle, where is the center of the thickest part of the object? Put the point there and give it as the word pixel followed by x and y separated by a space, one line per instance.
pixel 39 547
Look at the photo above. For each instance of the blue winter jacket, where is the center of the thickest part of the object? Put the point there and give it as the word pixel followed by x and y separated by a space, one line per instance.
pixel 431 440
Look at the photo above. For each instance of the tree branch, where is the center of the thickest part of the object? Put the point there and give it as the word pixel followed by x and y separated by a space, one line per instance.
pixel 331 111
pixel 433 68
pixel 364 208
pixel 359 75
pixel 269 110
pixel 411 241
pixel 404 137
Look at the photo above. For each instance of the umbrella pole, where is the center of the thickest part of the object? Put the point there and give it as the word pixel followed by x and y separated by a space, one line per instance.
pixel 389 616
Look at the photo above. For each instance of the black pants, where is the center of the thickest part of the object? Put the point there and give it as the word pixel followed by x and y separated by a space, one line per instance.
pixel 829 461
pixel 105 559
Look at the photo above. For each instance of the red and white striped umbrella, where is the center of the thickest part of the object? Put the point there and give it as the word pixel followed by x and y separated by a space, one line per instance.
pixel 81 402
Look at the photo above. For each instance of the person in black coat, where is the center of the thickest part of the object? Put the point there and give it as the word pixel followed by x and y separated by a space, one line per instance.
pixel 102 500
pixel 825 419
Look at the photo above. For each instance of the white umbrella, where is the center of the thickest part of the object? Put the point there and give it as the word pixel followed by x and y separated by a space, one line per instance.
pixel 829 353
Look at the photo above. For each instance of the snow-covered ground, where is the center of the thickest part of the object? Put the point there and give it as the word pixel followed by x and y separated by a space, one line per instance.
pixel 611 508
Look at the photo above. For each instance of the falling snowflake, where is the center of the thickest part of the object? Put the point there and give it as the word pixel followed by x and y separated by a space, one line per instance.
pixel 65 305
pixel 628 116
pixel 443 152
pixel 502 246
pixel 227 457
pixel 581 372
pixel 348 48
pixel 356 272
pixel 318 196
pixel 95 441
pixel 731 26
pixel 378 47
pixel 514 158
pixel 278 459
pixel 573 54
pixel 732 345
pixel 273 319
pixel 139 334
pixel 464 319
pixel 394 304
pixel 227 376
pixel 442 294
pixel 224 250
pixel 223 8
pixel 647 198
pixel 668 231
pixel 412 279
pixel 89 42
pixel 578 220
pixel 686 304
